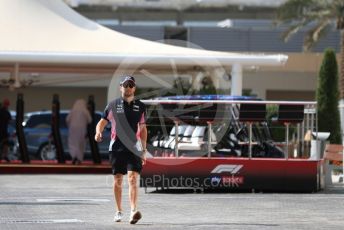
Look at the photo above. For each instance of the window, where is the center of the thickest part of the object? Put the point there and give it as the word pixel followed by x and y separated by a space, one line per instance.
pixel 44 121
pixel 63 124
pixel 39 121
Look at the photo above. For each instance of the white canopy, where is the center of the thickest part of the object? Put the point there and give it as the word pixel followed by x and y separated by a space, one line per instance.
pixel 50 32
pixel 177 4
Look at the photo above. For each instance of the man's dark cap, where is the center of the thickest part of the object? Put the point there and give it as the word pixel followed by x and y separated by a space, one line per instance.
pixel 127 78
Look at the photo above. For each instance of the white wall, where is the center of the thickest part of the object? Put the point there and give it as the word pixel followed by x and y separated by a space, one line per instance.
pixel 259 82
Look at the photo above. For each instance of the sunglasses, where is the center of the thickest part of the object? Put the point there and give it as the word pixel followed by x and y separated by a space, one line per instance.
pixel 128 84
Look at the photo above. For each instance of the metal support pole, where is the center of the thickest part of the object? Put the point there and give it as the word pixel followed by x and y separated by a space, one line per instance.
pixel 55 128
pixel 316 131
pixel 20 130
pixel 308 126
pixel 209 138
pixel 312 123
pixel 176 123
pixel 303 139
pixel 286 141
pixel 91 131
pixel 341 109
pixel 250 141
pixel 298 139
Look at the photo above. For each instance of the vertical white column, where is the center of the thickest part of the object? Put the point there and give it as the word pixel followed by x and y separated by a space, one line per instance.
pixel 236 80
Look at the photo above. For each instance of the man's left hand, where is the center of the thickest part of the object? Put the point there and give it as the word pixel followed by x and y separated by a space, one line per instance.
pixel 143 158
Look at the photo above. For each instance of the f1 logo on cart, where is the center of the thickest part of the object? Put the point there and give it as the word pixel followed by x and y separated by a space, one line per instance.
pixel 232 169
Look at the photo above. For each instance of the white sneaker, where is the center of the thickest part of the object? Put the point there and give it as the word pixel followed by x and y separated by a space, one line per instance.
pixel 118 216
pixel 135 216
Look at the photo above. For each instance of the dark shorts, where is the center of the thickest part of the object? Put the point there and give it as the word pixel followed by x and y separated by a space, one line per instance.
pixel 122 162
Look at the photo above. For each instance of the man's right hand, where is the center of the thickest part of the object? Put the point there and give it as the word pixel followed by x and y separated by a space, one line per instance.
pixel 98 137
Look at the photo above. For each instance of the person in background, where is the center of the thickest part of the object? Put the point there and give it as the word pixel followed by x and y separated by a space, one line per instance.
pixel 77 121
pixel 5 118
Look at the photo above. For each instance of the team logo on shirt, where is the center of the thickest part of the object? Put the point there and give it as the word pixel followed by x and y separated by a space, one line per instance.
pixel 119 108
pixel 136 108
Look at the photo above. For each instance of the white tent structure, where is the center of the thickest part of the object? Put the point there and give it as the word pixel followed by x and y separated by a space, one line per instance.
pixel 177 4
pixel 48 33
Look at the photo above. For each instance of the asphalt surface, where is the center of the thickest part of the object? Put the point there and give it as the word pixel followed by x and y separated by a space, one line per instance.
pixel 86 202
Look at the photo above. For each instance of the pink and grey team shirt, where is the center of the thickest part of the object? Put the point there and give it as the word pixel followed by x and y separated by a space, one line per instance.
pixel 125 119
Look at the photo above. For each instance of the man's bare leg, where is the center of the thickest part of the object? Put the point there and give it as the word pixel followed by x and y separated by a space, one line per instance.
pixel 117 189
pixel 133 189
pixel 133 194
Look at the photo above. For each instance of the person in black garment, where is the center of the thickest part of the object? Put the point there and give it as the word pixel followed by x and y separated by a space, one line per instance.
pixel 128 143
pixel 5 118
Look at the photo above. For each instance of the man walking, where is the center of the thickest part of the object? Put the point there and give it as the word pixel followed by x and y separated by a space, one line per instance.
pixel 128 143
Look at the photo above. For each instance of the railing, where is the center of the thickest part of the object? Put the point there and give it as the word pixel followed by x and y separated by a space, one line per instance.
pixel 249 122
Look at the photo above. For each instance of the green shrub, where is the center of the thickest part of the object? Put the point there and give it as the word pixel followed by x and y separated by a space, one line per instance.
pixel 327 97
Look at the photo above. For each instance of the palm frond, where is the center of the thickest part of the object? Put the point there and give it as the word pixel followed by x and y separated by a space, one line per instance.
pixel 340 23
pixel 294 9
pixel 313 36
pixel 318 31
pixel 319 13
pixel 286 35
pixel 338 9
pixel 338 6
pixel 300 13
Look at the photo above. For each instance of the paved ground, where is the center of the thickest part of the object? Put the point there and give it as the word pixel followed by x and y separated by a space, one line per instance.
pixel 85 202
